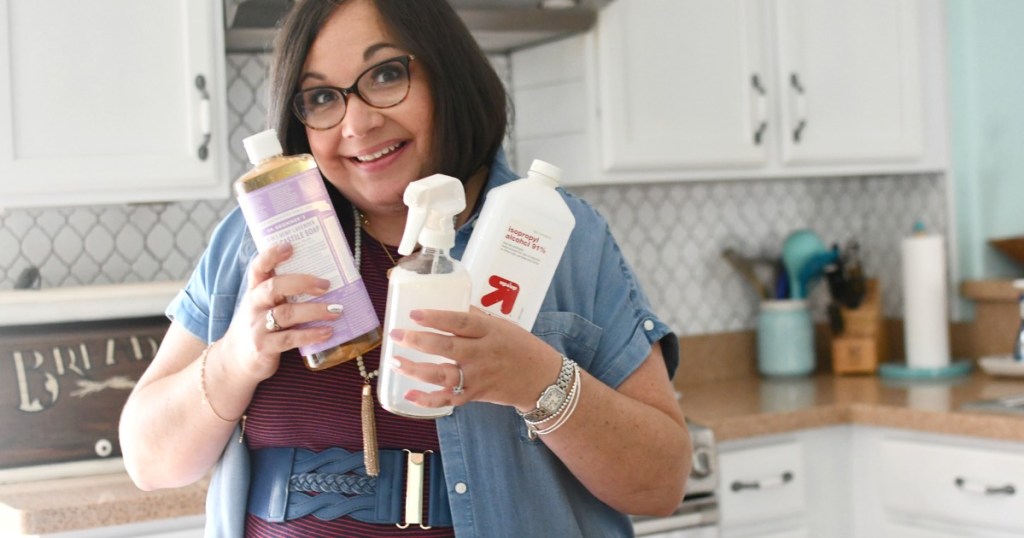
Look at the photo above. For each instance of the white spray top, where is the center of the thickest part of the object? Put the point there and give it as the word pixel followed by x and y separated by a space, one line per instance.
pixel 262 146
pixel 433 203
pixel 545 172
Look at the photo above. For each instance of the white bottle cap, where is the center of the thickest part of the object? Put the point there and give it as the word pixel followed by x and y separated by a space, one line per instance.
pixel 546 171
pixel 262 146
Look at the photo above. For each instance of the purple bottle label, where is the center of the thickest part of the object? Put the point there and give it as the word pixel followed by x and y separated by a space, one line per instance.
pixel 298 211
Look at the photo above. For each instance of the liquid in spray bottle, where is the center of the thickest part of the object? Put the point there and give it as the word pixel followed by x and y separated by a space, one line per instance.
pixel 430 279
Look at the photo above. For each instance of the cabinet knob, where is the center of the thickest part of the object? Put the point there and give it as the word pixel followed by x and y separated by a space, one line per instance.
pixel 701 462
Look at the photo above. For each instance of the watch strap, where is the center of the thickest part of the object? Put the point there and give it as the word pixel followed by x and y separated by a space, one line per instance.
pixel 541 412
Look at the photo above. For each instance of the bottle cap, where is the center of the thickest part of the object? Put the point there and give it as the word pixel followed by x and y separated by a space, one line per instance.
pixel 546 171
pixel 262 146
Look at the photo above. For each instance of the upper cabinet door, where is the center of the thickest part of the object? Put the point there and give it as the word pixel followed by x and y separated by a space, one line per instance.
pixel 681 85
pixel 111 101
pixel 850 75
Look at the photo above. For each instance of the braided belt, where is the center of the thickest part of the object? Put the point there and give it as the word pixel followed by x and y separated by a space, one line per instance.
pixel 289 483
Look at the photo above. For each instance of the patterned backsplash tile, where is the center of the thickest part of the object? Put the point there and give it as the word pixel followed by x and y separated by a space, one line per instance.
pixel 672 233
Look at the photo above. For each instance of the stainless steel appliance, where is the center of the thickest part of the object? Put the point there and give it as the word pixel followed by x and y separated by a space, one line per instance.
pixel 697 515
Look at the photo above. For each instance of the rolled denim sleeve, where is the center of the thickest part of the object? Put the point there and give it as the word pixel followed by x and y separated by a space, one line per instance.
pixel 207 303
pixel 595 280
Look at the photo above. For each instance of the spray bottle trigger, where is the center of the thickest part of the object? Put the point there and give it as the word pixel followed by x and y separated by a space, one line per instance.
pixel 413 224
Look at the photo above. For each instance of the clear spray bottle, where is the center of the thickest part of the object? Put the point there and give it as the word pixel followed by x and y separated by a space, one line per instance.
pixel 430 279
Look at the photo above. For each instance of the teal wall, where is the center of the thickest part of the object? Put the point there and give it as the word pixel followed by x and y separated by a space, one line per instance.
pixel 986 50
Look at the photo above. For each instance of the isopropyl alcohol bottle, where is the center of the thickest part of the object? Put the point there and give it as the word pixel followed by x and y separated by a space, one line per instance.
pixel 283 199
pixel 430 279
pixel 517 243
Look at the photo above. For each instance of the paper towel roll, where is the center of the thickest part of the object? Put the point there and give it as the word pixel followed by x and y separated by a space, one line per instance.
pixel 925 307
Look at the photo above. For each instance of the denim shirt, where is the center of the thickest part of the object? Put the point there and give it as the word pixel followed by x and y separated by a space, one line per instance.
pixel 501 483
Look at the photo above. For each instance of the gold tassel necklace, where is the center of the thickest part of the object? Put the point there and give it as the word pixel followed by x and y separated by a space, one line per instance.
pixel 369 422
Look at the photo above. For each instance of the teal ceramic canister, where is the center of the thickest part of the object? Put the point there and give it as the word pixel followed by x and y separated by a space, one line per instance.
pixel 785 339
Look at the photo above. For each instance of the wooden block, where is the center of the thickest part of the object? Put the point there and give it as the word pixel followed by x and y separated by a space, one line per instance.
pixel 857 354
pixel 862 345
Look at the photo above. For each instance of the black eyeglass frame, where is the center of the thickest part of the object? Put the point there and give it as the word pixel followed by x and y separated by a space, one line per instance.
pixel 297 107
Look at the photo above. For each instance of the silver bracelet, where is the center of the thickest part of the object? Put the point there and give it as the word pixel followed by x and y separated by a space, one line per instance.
pixel 553 398
pixel 563 414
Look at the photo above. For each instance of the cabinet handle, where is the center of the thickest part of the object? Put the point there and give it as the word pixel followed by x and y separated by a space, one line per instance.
pixel 759 108
pixel 204 117
pixel 799 107
pixel 767 483
pixel 982 489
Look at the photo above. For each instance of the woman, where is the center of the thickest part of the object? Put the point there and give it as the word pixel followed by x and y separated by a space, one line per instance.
pixel 621 448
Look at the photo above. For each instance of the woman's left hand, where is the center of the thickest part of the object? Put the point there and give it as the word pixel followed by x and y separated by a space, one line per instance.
pixel 501 362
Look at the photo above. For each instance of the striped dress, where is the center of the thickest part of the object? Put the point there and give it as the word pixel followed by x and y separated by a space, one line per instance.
pixel 318 410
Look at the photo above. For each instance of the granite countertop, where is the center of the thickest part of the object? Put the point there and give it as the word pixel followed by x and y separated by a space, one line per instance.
pixel 733 408
pixel 747 407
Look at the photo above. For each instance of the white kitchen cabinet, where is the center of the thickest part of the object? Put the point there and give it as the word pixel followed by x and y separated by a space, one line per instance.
pixel 786 486
pixel 682 84
pixel 111 101
pixel 665 90
pixel 848 80
pixel 761 485
pixel 912 484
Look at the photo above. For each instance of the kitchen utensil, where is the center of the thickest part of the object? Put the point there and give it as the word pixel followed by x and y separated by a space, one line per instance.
pixel 797 250
pixel 814 268
pixel 853 274
pixel 780 278
pixel 746 269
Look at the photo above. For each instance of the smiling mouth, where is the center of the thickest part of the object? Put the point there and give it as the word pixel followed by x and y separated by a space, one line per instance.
pixel 369 158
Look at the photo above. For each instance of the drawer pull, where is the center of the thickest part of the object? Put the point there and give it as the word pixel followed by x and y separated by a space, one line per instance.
pixel 982 489
pixel 767 483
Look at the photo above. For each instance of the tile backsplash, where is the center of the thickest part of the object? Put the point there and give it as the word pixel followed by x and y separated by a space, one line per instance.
pixel 672 233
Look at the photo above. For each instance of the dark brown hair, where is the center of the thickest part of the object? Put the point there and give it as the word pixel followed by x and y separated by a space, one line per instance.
pixel 470 103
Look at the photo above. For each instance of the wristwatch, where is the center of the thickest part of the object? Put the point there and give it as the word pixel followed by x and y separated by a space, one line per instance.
pixel 552 397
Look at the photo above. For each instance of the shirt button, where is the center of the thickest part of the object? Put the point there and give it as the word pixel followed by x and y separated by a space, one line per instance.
pixel 461 487
pixel 648 325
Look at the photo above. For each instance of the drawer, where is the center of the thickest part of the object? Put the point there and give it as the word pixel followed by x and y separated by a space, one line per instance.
pixel 969 486
pixel 762 483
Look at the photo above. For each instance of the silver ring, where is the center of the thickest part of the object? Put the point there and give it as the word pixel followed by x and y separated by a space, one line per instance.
pixel 272 324
pixel 459 389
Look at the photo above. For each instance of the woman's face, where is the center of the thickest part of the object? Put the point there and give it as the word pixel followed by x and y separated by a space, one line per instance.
pixel 373 153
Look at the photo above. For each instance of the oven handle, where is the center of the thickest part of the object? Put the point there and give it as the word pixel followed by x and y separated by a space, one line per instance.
pixel 670 523
pixel 767 483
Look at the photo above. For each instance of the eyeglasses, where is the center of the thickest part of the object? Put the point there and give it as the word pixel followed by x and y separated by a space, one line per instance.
pixel 381 86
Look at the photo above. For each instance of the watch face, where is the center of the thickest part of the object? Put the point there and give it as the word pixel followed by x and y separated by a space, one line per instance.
pixel 551 398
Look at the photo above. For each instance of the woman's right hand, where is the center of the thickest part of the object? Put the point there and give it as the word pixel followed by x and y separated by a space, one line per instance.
pixel 250 339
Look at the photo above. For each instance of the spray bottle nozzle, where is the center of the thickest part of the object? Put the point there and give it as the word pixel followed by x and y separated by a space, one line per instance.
pixel 433 203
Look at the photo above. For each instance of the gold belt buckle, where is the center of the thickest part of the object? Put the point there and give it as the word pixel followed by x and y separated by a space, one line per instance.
pixel 415 462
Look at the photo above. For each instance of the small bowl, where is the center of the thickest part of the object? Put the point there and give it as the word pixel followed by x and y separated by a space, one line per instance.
pixel 1011 247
